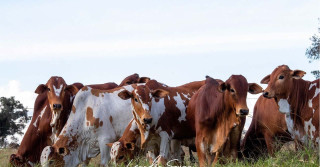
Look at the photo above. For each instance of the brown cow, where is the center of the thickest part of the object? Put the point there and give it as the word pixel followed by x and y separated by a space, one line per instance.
pixel 217 108
pixel 268 126
pixel 160 112
pixel 298 100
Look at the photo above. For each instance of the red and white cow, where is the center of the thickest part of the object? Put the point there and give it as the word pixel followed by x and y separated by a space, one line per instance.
pixel 160 112
pixel 268 125
pixel 51 111
pixel 298 99
pixel 217 108
pixel 98 117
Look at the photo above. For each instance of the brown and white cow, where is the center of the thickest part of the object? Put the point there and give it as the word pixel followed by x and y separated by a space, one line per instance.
pixel 298 100
pixel 267 127
pixel 216 108
pixel 160 112
pixel 51 111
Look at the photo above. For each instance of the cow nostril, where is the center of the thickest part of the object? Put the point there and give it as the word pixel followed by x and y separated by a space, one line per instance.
pixel 265 94
pixel 147 120
pixel 56 106
pixel 244 112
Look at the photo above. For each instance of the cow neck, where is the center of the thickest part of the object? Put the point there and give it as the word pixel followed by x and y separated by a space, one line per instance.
pixel 32 142
pixel 64 115
pixel 298 100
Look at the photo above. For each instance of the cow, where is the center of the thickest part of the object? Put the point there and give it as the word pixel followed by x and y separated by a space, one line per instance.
pixel 267 127
pixel 160 113
pixel 217 108
pixel 51 109
pixel 298 99
pixel 98 117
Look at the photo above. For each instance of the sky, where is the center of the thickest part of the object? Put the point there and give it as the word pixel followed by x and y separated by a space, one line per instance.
pixel 172 41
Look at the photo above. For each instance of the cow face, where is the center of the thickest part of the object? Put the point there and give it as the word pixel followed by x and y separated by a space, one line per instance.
pixel 57 91
pixel 141 101
pixel 279 82
pixel 50 157
pixel 235 89
pixel 121 151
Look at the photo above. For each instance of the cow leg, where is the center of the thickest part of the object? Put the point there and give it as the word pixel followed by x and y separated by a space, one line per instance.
pixel 200 151
pixel 269 143
pixel 176 149
pixel 164 147
pixel 105 151
pixel 192 159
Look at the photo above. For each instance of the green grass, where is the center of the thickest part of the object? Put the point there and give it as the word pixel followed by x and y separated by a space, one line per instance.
pixel 306 157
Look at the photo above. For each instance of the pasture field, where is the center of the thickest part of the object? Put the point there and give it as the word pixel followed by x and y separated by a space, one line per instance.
pixel 306 157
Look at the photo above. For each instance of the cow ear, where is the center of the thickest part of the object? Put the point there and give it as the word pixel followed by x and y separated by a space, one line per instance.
pixel 125 95
pixel 41 88
pixel 222 87
pixel 265 80
pixel 72 89
pixel 144 80
pixel 129 146
pixel 255 88
pixel 109 144
pixel 297 74
pixel 159 93
pixel 62 151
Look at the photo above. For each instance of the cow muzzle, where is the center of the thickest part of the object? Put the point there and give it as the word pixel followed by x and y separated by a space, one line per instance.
pixel 244 112
pixel 147 120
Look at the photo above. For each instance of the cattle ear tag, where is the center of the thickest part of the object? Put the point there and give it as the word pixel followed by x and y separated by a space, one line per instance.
pixel 265 80
pixel 129 146
pixel 109 144
pixel 125 95
pixel 297 74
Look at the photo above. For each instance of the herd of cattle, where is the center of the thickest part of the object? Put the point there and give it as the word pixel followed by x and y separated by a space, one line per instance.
pixel 73 123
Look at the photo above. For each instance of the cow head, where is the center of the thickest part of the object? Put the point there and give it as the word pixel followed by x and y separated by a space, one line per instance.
pixel 121 151
pixel 235 89
pixel 280 81
pixel 17 160
pixel 134 78
pixel 141 101
pixel 50 157
pixel 57 92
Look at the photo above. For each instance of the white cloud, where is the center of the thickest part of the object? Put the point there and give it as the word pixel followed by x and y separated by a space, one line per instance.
pixel 27 98
pixel 133 47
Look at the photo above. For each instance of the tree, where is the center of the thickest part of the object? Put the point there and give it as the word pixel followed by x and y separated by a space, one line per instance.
pixel 13 117
pixel 312 52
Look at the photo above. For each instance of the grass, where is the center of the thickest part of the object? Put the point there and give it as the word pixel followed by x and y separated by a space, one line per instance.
pixel 306 157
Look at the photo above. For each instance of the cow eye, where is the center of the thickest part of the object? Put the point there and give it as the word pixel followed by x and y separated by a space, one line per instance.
pixel 232 90
pixel 135 99
pixel 121 157
pixel 281 77
pixel 49 89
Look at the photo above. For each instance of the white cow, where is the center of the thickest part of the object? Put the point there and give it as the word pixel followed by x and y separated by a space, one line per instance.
pixel 98 117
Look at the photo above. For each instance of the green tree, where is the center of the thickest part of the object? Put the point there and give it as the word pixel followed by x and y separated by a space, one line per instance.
pixel 312 52
pixel 13 117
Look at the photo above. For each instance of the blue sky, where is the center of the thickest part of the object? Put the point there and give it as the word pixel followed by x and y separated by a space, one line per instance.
pixel 172 41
